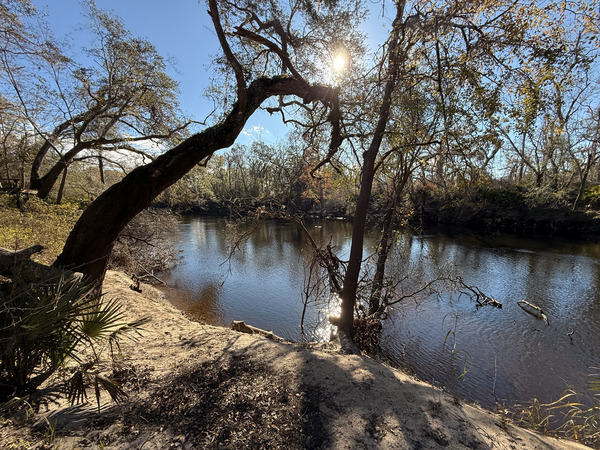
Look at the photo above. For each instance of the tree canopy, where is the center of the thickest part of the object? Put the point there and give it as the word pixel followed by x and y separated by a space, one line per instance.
pixel 119 99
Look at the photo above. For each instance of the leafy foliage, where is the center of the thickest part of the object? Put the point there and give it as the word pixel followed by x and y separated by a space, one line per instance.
pixel 37 222
pixel 592 197
pixel 44 327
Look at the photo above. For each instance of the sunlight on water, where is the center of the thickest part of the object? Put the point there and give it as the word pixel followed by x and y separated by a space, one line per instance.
pixel 324 329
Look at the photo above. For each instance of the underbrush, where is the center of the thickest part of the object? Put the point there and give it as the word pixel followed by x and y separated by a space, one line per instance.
pixel 141 250
pixel 37 222
pixel 144 247
pixel 591 197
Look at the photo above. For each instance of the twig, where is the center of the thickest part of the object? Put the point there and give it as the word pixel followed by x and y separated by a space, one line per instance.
pixel 150 274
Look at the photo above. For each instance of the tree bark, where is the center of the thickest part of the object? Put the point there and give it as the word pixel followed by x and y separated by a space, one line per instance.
pixel 90 242
pixel 18 267
pixel 346 320
pixel 61 188
pixel 34 177
pixel 385 244
pixel 586 171
pixel 46 183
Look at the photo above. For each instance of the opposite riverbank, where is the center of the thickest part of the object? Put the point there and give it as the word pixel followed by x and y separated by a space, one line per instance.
pixel 192 385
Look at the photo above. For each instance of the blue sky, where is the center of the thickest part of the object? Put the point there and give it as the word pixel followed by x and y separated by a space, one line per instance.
pixel 180 30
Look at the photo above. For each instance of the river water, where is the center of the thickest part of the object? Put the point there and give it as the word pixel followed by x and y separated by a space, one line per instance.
pixel 506 355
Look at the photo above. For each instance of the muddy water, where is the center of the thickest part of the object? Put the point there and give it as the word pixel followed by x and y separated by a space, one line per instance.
pixel 506 355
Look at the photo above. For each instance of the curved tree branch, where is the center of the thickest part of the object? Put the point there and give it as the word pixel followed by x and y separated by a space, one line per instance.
pixel 235 64
pixel 90 242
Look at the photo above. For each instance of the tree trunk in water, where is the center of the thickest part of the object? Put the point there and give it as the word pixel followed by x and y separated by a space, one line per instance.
pixel 382 253
pixel 350 285
pixel 89 245
pixel 346 320
pixel 385 244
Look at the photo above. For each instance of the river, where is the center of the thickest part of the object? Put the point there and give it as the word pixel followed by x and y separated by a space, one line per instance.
pixel 506 355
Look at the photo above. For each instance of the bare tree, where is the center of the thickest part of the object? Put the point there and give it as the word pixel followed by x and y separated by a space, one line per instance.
pixel 123 101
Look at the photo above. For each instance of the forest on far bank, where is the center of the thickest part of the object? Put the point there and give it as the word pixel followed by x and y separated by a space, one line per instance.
pixel 238 181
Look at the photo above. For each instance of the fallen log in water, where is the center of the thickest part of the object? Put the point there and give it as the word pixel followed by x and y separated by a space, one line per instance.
pixel 534 310
pixel 480 297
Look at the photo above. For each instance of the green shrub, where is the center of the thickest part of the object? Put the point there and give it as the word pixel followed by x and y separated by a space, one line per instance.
pixel 44 327
pixel 503 197
pixel 546 197
pixel 591 197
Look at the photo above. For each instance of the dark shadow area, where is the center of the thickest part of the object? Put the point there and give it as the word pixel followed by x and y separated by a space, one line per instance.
pixel 237 391
pixel 298 398
pixel 233 402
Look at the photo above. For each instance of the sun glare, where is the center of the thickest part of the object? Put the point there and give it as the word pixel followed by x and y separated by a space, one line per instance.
pixel 340 63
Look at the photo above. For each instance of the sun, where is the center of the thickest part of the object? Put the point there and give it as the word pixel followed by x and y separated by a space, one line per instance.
pixel 340 62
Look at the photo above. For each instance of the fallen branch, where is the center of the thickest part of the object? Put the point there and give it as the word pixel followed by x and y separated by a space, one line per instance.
pixel 240 325
pixel 480 297
pixel 148 273
pixel 534 310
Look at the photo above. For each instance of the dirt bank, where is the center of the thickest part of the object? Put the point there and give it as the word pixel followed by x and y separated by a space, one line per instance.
pixel 198 386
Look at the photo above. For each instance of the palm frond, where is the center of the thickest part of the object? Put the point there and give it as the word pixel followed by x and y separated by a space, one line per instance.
pixel 76 390
pixel 117 394
pixel 101 322
pixel 43 327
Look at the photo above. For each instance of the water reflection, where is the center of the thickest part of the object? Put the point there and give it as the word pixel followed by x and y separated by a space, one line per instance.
pixel 509 355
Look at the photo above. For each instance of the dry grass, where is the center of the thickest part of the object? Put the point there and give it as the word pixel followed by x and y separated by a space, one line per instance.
pixel 572 416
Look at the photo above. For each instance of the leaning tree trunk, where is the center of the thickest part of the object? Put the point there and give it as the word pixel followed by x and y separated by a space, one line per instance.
pixel 346 319
pixel 34 176
pixel 90 242
pixel 35 179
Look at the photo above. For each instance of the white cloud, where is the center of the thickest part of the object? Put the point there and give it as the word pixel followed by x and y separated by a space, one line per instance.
pixel 255 131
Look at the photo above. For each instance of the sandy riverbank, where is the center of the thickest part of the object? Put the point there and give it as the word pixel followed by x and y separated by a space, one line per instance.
pixel 191 385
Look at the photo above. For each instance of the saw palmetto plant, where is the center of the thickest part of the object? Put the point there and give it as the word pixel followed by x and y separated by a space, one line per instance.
pixel 49 325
